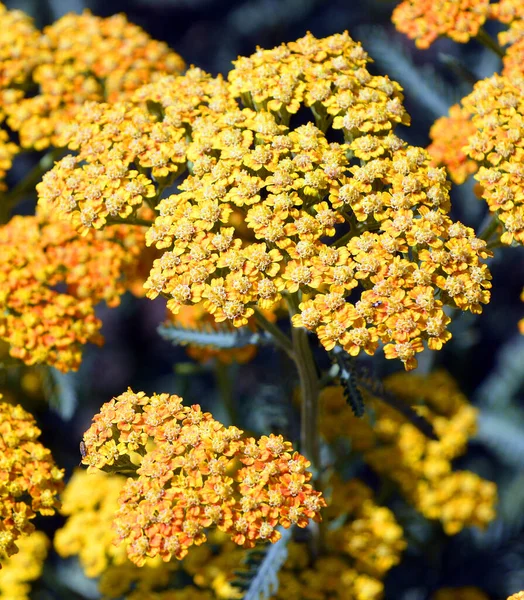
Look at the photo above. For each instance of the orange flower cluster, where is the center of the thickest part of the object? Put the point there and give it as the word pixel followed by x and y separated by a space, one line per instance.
pixel 511 12
pixel 421 467
pixel 325 216
pixel 497 108
pixel 29 479
pixel 41 322
pixel 426 20
pixel 77 59
pixel 188 477
pixel 448 136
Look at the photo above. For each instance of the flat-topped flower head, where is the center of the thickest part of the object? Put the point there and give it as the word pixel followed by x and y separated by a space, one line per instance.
pixel 496 106
pixel 84 58
pixel 320 217
pixel 41 323
pixel 21 569
pixel 192 473
pixel 329 76
pixel 29 479
pixel 426 20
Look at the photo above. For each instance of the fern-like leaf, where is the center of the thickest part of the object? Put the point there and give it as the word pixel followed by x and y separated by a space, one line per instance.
pixel 221 338
pixel 346 375
pixel 260 581
pixel 355 377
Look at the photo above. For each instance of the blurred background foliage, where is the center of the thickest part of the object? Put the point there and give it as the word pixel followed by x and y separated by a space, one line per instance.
pixel 486 354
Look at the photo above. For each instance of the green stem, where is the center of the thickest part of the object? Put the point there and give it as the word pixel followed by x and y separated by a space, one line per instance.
pixel 278 335
pixel 486 40
pixel 27 185
pixel 129 221
pixel 491 227
pixel 309 384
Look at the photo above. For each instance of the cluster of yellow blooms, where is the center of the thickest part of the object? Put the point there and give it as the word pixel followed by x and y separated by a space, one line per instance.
pixel 381 203
pixel 21 569
pixel 41 322
pixel 29 479
pixel 421 467
pixel 496 106
pixel 363 549
pixel 193 473
pixel 47 76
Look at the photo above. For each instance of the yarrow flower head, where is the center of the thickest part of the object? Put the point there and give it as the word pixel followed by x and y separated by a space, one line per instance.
pixel 41 323
pixel 426 20
pixel 322 217
pixel 193 473
pixel 29 479
pixel 77 59
pixel 419 466
pixel 496 107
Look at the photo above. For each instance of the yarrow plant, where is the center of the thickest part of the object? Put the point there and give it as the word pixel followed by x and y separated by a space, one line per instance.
pixel 277 205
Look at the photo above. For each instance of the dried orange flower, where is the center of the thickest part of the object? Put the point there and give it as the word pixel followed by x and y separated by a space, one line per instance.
pixel 497 108
pixel 193 473
pixel 449 135
pixel 29 479
pixel 82 58
pixel 420 467
pixel 426 20
pixel 41 323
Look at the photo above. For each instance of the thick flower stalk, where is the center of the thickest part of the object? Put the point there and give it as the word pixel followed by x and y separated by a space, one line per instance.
pixel 21 569
pixel 77 59
pixel 496 106
pixel 419 466
pixel 29 479
pixel 326 217
pixel 426 20
pixel 42 323
pixel 193 473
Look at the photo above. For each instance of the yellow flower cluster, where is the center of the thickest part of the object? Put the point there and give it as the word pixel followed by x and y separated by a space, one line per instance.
pixel 496 106
pixel 325 216
pixel 22 568
pixel 193 473
pixel 41 323
pixel 517 596
pixel 420 467
pixel 511 12
pixel 90 502
pixel 77 59
pixel 449 135
pixel 363 542
pixel 426 20
pixel 29 479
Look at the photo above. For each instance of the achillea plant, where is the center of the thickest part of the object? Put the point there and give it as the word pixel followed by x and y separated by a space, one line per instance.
pixel 327 217
pixel 193 473
pixel 29 479
pixel 275 205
